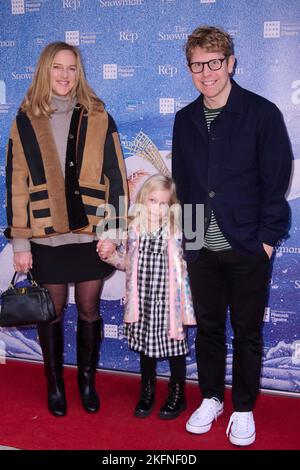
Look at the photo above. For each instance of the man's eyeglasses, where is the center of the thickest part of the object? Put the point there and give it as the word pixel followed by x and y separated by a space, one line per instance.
pixel 214 64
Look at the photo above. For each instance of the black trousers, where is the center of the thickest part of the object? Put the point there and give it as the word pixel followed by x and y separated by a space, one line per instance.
pixel 177 367
pixel 218 280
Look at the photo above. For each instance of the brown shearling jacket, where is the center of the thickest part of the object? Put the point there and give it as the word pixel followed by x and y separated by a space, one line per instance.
pixel 40 202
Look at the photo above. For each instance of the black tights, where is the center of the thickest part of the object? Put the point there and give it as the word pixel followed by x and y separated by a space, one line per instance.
pixel 177 367
pixel 87 295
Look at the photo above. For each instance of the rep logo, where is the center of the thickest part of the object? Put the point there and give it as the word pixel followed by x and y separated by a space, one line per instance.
pixel 167 70
pixel 71 4
pixel 129 36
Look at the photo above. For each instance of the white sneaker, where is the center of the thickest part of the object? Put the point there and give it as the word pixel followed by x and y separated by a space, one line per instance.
pixel 242 428
pixel 202 419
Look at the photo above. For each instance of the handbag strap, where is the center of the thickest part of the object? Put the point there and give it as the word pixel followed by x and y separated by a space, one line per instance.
pixel 29 277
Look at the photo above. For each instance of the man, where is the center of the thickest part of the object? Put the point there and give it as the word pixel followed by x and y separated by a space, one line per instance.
pixel 231 153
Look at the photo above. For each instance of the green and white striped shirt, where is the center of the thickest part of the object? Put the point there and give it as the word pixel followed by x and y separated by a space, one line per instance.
pixel 214 239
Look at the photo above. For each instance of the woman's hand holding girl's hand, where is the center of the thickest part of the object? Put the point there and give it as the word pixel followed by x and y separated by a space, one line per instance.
pixel 105 248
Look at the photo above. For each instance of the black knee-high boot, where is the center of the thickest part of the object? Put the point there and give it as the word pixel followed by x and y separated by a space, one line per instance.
pixel 88 344
pixel 51 341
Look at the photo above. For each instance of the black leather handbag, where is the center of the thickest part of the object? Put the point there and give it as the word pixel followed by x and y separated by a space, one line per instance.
pixel 27 305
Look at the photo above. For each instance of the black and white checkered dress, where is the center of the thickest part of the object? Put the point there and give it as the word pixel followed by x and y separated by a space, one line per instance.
pixel 149 334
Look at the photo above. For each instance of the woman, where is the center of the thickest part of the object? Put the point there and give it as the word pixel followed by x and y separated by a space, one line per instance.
pixel 63 161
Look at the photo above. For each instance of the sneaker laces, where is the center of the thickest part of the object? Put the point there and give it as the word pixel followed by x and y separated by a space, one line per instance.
pixel 207 407
pixel 241 419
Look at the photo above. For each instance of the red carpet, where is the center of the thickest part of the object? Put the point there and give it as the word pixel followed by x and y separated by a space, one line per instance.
pixel 26 423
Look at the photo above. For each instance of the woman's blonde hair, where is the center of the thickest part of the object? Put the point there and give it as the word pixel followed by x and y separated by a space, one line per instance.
pixel 37 101
pixel 155 183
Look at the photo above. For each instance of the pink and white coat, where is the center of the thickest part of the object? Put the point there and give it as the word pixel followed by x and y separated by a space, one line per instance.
pixel 181 311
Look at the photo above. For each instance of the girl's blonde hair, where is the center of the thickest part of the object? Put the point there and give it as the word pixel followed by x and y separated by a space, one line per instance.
pixel 37 101
pixel 155 183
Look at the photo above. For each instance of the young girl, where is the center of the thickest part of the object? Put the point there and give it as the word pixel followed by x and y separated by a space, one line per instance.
pixel 158 300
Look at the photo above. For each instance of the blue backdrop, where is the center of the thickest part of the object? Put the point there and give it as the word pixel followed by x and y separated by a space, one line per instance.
pixel 133 55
